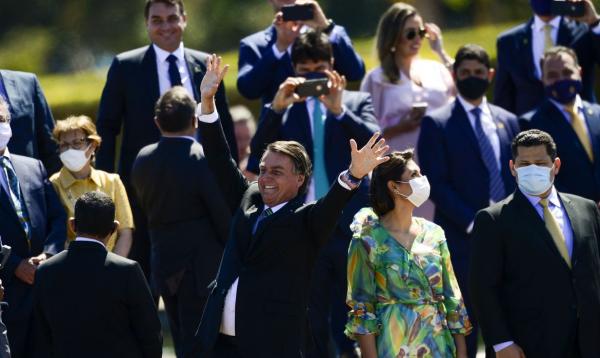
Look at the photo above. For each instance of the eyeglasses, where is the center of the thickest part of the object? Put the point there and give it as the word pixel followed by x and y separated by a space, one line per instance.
pixel 412 33
pixel 77 144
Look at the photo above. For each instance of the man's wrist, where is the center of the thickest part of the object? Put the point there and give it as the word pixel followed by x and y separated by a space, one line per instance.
pixel 207 106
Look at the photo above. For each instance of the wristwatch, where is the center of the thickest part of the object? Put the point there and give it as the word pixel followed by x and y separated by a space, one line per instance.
pixel 329 27
pixel 350 180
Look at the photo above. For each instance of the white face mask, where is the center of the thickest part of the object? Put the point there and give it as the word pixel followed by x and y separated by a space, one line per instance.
pixel 420 190
pixel 74 159
pixel 5 134
pixel 534 179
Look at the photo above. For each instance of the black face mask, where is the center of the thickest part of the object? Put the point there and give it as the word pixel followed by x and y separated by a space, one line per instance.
pixel 472 87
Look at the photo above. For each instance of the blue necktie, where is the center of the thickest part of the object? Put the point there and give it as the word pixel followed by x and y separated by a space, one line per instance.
pixel 15 195
pixel 497 191
pixel 319 171
pixel 174 75
pixel 267 212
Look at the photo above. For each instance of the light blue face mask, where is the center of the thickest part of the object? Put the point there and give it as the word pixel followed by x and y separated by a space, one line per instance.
pixel 534 179
pixel 5 134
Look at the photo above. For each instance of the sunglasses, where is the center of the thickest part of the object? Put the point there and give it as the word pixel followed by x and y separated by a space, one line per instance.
pixel 412 33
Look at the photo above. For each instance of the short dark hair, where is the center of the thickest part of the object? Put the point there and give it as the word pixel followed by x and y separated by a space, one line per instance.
pixel 178 3
pixel 297 153
pixel 557 50
pixel 533 138
pixel 380 198
pixel 175 110
pixel 311 46
pixel 94 214
pixel 471 52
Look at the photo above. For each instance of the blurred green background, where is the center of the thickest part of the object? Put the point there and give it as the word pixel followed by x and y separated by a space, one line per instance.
pixel 70 43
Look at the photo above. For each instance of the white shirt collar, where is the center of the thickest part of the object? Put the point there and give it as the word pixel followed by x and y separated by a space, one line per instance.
pixel 85 239
pixel 162 55
pixel 538 24
pixel 469 107
pixel 552 198
pixel 276 208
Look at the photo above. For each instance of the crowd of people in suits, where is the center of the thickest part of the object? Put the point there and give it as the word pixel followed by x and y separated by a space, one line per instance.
pixel 398 220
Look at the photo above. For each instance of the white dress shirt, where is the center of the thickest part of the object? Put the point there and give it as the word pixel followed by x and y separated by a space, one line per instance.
pixel 162 65
pixel 487 123
pixel 578 107
pixel 560 215
pixel 538 39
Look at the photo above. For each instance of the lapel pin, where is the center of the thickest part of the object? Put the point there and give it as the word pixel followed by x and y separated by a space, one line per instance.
pixel 500 125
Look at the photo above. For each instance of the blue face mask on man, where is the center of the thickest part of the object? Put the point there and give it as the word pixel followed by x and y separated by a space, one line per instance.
pixel 563 91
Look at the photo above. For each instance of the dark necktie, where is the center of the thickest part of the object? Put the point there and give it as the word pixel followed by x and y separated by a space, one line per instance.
pixel 15 195
pixel 497 191
pixel 266 213
pixel 174 75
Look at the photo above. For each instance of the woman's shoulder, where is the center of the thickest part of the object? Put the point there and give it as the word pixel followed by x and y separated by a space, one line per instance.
pixel 433 233
pixel 105 179
pixel 364 220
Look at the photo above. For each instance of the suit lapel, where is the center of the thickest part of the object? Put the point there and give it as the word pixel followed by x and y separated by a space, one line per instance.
pixel 592 119
pixel 150 74
pixel 7 207
pixel 502 128
pixel 300 122
pixel 13 93
pixel 195 72
pixel 577 225
pixel 565 35
pixel 259 235
pixel 525 50
pixel 462 119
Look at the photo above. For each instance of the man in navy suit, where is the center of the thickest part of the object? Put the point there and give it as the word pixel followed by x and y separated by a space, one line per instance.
pixel 342 115
pixel 572 122
pixel 519 87
pixel 32 222
pixel 134 83
pixel 464 149
pixel 32 122
pixel 265 62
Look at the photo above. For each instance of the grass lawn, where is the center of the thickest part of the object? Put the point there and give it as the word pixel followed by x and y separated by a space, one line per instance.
pixel 79 93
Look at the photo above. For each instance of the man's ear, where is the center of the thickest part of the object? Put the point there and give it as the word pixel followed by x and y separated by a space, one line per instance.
pixel 491 74
pixel 511 165
pixel 157 125
pixel 71 224
pixel 557 164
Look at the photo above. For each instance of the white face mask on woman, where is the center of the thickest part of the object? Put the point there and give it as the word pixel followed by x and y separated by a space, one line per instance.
pixel 5 134
pixel 534 179
pixel 420 190
pixel 74 159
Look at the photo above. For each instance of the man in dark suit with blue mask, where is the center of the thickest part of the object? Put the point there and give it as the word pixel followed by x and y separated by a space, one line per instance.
pixel 320 124
pixel 264 59
pixel 572 122
pixel 32 222
pixel 32 122
pixel 463 149
pixel 519 88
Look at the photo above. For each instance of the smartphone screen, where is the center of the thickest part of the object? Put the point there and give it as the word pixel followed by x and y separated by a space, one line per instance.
pixel 297 12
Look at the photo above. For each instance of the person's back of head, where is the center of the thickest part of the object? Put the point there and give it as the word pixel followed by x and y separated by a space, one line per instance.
pixel 175 111
pixel 94 216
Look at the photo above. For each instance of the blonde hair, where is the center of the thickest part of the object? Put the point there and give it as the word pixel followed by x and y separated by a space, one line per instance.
pixel 73 123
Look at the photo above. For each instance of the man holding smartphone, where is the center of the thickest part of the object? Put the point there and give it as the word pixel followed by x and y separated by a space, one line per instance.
pixel 264 58
pixel 519 87
pixel 321 123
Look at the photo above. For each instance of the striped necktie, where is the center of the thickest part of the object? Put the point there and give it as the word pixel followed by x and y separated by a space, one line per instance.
pixel 497 191
pixel 555 231
pixel 15 195
pixel 319 171
pixel 266 213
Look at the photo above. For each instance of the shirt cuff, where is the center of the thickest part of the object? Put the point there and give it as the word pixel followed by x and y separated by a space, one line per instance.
pixel 470 227
pixel 342 183
pixel 206 118
pixel 278 54
pixel 501 346
pixel 339 118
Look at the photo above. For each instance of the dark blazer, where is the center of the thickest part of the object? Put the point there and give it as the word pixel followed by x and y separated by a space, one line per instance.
pixel 128 100
pixel 358 122
pixel 48 233
pixel 522 289
pixel 449 155
pixel 517 88
pixel 31 120
pixel 577 175
pixel 261 73
pixel 274 265
pixel 188 219
pixel 92 303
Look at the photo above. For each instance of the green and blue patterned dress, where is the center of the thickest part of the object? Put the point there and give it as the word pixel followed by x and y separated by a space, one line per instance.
pixel 409 299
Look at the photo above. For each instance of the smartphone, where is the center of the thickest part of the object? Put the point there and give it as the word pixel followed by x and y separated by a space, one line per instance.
pixel 313 88
pixel 567 8
pixel 300 12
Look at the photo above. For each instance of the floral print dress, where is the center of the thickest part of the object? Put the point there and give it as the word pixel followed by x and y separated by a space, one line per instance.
pixel 409 299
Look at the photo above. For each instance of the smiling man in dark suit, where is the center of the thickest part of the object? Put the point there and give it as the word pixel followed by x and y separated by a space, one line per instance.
pixel 135 81
pixel 519 87
pixel 32 222
pixel 462 148
pixel 257 306
pixel 32 122
pixel 535 270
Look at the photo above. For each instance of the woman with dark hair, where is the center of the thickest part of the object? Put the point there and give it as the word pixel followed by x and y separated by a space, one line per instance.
pixel 404 297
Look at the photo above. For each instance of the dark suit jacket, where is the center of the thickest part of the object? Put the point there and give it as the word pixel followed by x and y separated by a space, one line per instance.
pixel 577 175
pixel 48 231
pixel 261 73
pixel 31 120
pixel 522 290
pixel 92 303
pixel 188 219
pixel 128 100
pixel 274 265
pixel 517 88
pixel 449 155
pixel 358 122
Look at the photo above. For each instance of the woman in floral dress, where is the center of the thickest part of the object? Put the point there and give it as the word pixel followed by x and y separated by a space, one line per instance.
pixel 404 297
